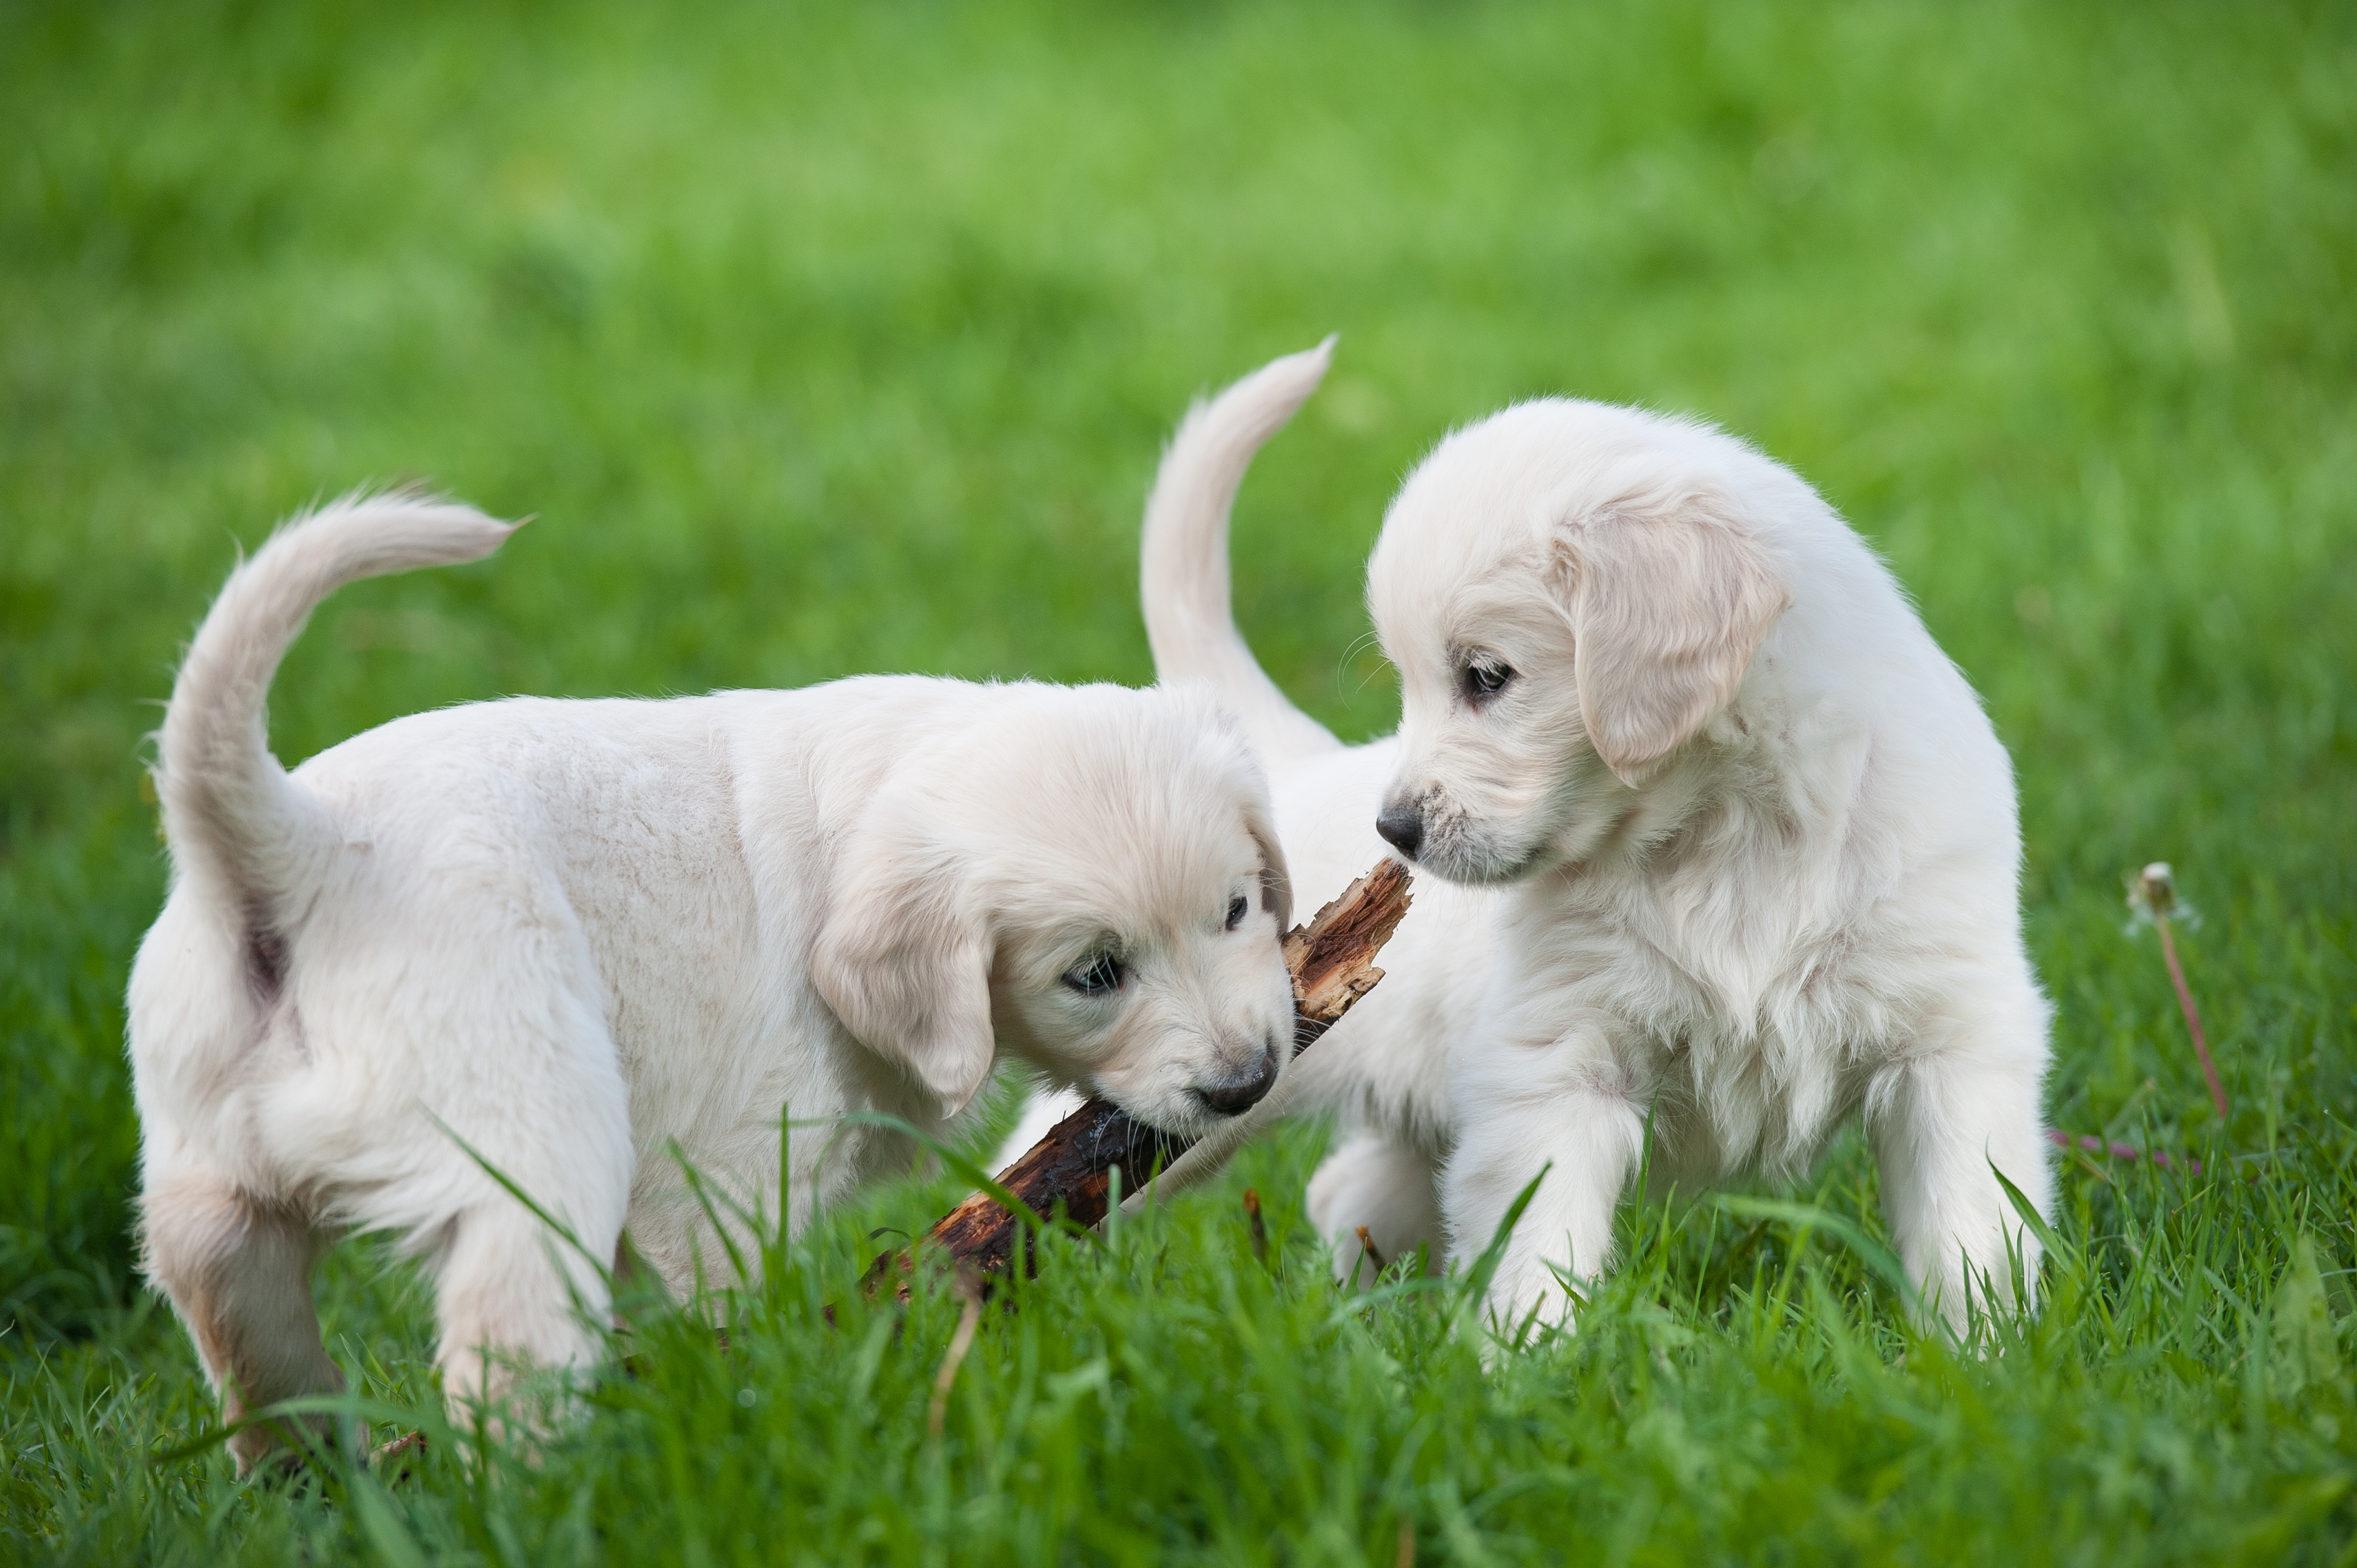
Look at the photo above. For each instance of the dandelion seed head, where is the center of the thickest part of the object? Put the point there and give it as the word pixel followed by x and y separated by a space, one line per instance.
pixel 2152 897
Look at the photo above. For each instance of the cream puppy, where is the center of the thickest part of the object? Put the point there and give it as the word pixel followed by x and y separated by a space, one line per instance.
pixel 583 936
pixel 1734 847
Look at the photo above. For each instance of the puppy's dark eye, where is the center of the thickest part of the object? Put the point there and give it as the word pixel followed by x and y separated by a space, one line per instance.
pixel 1237 908
pixel 1484 680
pixel 1099 974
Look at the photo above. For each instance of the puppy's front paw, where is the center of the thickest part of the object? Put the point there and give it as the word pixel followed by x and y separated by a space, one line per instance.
pixel 1527 1298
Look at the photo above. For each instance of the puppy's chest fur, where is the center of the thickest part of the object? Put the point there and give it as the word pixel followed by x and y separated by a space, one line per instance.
pixel 1748 1011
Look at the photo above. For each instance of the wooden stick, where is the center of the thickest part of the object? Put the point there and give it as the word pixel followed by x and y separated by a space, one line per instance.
pixel 1332 962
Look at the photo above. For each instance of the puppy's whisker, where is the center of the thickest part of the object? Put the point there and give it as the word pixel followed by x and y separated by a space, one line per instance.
pixel 1359 644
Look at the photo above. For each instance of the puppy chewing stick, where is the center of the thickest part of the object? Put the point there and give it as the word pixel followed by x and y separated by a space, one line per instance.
pixel 1331 959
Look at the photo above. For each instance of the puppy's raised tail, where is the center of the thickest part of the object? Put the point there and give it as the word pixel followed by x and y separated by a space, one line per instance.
pixel 1189 619
pixel 230 810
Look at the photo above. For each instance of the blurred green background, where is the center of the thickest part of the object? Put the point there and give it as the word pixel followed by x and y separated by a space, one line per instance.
pixel 829 339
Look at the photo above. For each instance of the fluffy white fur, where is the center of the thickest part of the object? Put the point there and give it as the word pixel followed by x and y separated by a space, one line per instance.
pixel 580 935
pixel 1730 841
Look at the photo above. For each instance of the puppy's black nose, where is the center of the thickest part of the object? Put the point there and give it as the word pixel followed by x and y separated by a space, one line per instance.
pixel 1403 827
pixel 1239 1095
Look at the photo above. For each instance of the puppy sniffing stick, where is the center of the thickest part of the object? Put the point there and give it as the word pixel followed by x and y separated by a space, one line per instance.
pixel 1332 962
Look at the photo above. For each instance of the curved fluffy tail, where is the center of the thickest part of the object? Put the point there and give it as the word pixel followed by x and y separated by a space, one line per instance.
pixel 229 808
pixel 1184 562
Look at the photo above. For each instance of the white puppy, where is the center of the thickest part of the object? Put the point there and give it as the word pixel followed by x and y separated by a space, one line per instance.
pixel 1735 846
pixel 580 935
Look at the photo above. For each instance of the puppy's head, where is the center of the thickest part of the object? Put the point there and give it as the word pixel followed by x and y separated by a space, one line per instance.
pixel 1086 878
pixel 1570 591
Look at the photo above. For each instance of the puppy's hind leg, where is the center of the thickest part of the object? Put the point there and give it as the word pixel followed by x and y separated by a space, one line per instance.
pixel 238 1271
pixel 511 1291
pixel 511 1294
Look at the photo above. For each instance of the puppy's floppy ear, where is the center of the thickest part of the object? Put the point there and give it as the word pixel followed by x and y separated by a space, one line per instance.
pixel 904 960
pixel 1201 707
pixel 1275 881
pixel 1669 599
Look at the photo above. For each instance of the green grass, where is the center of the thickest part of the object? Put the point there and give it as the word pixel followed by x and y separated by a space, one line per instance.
pixel 825 341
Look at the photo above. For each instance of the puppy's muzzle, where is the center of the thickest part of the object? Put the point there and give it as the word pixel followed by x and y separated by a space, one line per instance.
pixel 1240 1094
pixel 1401 826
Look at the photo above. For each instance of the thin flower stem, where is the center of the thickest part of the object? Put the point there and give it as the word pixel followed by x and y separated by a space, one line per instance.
pixel 961 1341
pixel 2192 1016
pixel 1259 1229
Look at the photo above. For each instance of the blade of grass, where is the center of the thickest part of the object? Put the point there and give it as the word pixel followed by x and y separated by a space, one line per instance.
pixel 1881 1259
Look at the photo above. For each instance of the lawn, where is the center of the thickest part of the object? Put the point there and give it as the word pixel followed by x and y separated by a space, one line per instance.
pixel 823 341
